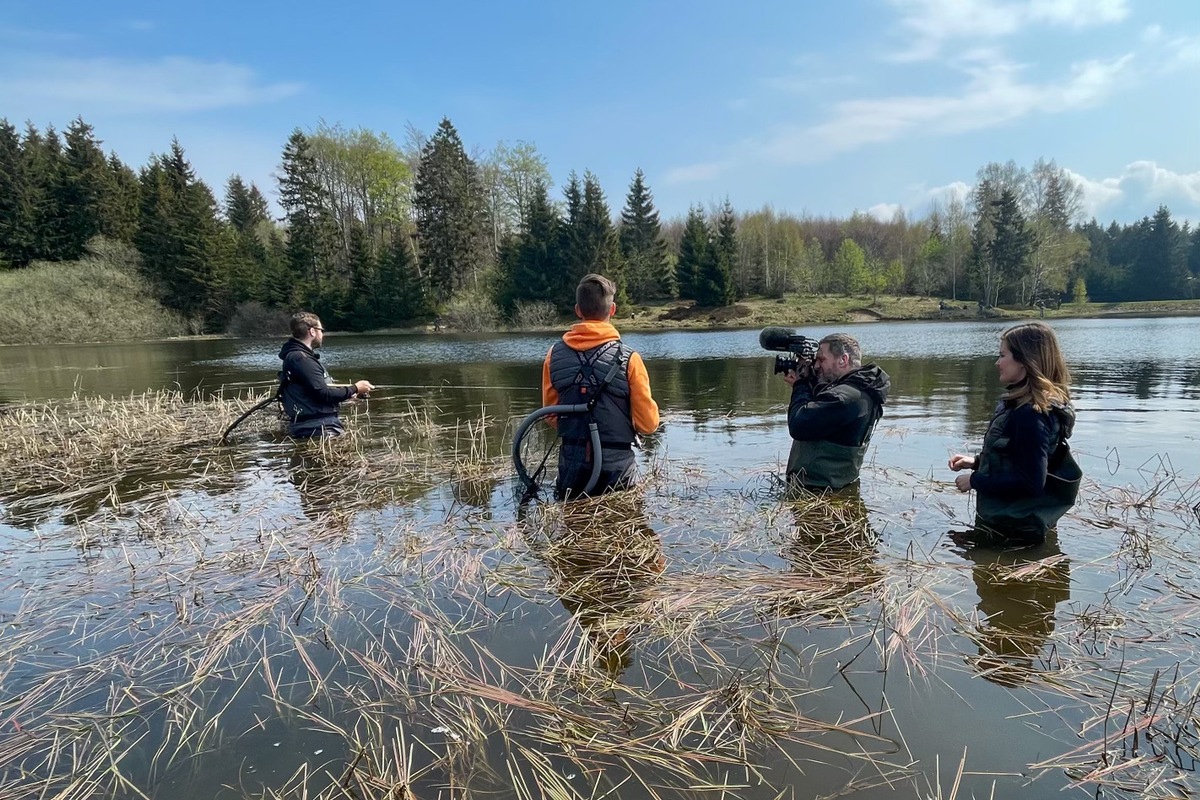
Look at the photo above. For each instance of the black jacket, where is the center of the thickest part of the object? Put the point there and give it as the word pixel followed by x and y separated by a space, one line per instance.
pixel 308 398
pixel 1018 446
pixel 843 412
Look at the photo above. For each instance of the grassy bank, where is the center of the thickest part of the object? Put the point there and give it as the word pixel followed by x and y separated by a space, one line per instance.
pixel 804 310
pixel 800 310
pixel 98 298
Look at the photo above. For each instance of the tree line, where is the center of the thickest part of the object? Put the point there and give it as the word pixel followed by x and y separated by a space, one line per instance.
pixel 375 234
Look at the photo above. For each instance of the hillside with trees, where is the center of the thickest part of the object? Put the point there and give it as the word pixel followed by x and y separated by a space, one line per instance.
pixel 373 234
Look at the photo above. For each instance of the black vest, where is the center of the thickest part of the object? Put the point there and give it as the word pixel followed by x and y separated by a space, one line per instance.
pixel 577 375
pixel 1026 516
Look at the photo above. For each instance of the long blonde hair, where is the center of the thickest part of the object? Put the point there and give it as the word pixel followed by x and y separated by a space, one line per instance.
pixel 1047 380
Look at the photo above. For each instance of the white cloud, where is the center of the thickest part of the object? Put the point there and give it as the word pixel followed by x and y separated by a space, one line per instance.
pixel 1139 189
pixel 928 25
pixel 994 95
pixel 884 212
pixel 957 190
pixel 695 173
pixel 1180 53
pixel 1135 192
pixel 127 85
pixel 1152 34
pixel 1160 184
pixel 1097 194
pixel 1077 13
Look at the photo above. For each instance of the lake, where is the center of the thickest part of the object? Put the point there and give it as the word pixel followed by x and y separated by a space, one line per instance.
pixel 431 630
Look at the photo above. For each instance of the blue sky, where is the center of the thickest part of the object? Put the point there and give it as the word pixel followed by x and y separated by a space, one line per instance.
pixel 824 108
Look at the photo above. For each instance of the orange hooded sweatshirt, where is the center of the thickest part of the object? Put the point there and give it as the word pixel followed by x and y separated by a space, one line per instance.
pixel 593 333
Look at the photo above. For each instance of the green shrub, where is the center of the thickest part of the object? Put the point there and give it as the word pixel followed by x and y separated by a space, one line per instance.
pixel 471 311
pixel 533 314
pixel 99 298
pixel 254 320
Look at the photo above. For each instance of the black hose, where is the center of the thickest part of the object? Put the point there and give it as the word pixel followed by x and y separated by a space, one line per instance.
pixel 261 404
pixel 530 481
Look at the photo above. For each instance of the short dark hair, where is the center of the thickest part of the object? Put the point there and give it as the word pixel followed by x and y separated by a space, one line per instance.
pixel 843 344
pixel 302 321
pixel 594 296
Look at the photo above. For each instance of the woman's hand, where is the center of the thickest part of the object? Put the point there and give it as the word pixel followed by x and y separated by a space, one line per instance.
pixel 963 482
pixel 959 461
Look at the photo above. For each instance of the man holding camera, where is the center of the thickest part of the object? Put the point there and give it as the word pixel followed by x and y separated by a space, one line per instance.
pixel 835 404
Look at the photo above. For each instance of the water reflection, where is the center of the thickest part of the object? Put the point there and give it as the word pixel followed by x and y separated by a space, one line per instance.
pixel 333 487
pixel 1018 592
pixel 833 551
pixel 604 560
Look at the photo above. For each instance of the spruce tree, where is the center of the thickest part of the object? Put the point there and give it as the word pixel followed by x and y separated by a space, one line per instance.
pixel 532 268
pixel 715 285
pixel 452 223
pixel 590 242
pixel 178 239
pixel 1004 256
pixel 121 203
pixel 648 271
pixel 16 212
pixel 1159 270
pixel 359 306
pixel 693 252
pixel 80 192
pixel 309 246
pixel 42 162
pixel 238 209
pixel 399 295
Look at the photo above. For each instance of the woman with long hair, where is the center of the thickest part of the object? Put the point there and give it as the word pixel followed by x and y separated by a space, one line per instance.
pixel 1025 478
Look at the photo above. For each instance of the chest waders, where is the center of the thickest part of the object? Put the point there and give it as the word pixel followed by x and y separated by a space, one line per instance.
pixel 531 481
pixel 277 397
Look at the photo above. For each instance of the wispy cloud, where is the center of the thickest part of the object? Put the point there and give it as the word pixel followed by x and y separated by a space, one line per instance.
pixel 696 173
pixel 35 36
pixel 927 26
pixel 126 85
pixel 993 95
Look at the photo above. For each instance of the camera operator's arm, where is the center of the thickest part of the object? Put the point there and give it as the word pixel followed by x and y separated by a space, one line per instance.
pixel 814 413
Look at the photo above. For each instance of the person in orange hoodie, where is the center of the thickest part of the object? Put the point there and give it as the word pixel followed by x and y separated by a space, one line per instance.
pixel 574 372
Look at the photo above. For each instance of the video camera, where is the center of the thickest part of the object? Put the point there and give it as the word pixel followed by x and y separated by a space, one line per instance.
pixel 799 349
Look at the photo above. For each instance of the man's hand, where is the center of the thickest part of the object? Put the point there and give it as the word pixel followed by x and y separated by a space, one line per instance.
pixel 958 461
pixel 803 374
pixel 963 482
pixel 362 388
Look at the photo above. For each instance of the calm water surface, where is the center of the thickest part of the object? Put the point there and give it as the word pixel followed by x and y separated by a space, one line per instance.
pixel 709 511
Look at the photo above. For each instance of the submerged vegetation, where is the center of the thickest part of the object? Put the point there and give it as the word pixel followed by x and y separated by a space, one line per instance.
pixel 374 617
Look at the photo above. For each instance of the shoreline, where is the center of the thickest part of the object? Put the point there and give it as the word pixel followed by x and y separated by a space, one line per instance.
pixel 754 313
